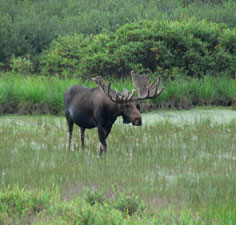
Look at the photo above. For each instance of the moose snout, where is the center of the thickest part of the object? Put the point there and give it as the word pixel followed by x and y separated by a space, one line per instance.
pixel 137 121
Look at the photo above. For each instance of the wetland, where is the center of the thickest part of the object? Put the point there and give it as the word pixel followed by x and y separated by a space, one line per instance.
pixel 177 158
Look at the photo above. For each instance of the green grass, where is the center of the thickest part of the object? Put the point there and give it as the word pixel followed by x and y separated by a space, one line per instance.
pixel 40 94
pixel 184 171
pixel 30 94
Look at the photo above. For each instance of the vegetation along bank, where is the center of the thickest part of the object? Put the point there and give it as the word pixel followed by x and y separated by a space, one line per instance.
pixel 40 94
pixel 195 59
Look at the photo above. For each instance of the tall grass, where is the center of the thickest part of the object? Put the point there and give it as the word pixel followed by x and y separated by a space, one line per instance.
pixel 168 165
pixel 34 94
pixel 206 91
pixel 39 94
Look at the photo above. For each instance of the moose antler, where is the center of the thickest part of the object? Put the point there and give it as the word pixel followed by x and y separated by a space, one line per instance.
pixel 114 96
pixel 145 91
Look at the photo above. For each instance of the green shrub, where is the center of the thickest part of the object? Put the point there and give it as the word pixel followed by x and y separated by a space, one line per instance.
pixel 15 202
pixel 93 197
pixel 28 27
pixel 21 65
pixel 64 55
pixel 129 204
pixel 19 206
pixel 192 47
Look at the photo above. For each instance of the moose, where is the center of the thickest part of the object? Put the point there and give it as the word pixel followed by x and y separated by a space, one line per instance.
pixel 100 106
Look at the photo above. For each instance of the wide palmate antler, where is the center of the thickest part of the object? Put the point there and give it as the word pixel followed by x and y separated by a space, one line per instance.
pixel 114 96
pixel 146 91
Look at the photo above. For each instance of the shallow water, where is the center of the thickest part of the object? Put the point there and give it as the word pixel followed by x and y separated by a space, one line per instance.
pixel 214 115
pixel 46 149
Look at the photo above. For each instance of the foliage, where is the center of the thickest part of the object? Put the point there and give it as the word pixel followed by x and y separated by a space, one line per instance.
pixel 188 47
pixel 24 206
pixel 94 197
pixel 28 27
pixel 129 204
pixel 65 56
pixel 21 65
pixel 16 203
pixel 46 207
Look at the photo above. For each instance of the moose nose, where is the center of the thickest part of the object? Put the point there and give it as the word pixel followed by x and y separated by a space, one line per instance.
pixel 137 121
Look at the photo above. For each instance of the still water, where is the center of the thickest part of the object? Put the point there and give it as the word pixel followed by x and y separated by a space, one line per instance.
pixel 215 115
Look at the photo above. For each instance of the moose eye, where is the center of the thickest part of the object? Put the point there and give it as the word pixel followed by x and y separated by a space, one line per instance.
pixel 127 106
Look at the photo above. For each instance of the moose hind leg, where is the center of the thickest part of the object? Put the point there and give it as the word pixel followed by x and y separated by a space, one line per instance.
pixel 70 124
pixel 82 130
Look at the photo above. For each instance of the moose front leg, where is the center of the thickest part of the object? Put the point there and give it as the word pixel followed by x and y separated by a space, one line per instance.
pixel 102 134
pixel 82 130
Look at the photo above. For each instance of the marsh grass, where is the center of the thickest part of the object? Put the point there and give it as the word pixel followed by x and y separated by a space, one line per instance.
pixel 34 94
pixel 43 95
pixel 167 164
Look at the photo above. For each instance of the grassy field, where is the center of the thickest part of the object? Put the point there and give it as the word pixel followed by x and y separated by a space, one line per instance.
pixel 183 170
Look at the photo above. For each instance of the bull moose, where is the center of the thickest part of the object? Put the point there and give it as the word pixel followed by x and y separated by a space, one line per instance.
pixel 100 106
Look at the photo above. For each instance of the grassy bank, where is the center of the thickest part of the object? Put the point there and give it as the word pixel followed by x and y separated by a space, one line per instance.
pixel 40 94
pixel 185 172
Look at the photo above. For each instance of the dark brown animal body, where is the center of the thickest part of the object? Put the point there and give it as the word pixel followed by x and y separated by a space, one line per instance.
pixel 90 108
pixel 99 107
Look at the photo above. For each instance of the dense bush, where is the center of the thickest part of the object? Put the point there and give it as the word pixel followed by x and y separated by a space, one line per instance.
pixel 129 204
pixel 188 47
pixel 27 27
pixel 21 65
